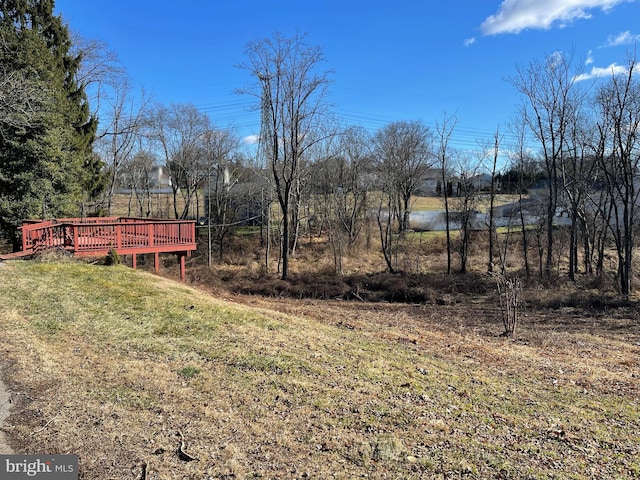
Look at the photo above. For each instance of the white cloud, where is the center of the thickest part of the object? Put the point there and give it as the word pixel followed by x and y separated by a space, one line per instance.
pixel 515 16
pixel 589 59
pixel 623 38
pixel 598 72
pixel 469 41
pixel 251 139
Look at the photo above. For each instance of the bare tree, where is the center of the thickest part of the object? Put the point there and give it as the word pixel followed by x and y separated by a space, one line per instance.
pixel 520 159
pixel 389 240
pixel 577 170
pixel 492 198
pixel 619 123
pixel 123 127
pixel 104 80
pixel 508 298
pixel 135 177
pixel 404 152
pixel 354 181
pixel 340 184
pixel 179 131
pixel 465 203
pixel 220 145
pixel 444 131
pixel 552 100
pixel 293 105
pixel 327 183
pixel 100 69
pixel 599 206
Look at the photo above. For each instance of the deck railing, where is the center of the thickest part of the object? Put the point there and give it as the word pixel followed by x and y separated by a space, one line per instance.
pixel 103 233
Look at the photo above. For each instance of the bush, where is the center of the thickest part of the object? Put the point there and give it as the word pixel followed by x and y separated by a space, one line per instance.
pixel 57 255
pixel 113 258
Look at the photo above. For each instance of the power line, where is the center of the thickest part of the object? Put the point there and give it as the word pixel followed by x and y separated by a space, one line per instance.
pixel 245 114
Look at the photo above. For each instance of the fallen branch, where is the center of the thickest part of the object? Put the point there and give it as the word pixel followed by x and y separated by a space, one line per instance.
pixel 182 454
pixel 45 425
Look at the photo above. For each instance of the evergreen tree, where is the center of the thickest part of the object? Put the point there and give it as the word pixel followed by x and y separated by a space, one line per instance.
pixel 46 159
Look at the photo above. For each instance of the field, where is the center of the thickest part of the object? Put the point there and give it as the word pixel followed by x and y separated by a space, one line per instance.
pixel 437 203
pixel 139 375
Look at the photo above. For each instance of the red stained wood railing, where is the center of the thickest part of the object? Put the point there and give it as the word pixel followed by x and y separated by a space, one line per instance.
pixel 96 236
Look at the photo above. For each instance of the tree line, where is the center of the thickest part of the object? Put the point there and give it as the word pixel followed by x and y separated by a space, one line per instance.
pixel 73 132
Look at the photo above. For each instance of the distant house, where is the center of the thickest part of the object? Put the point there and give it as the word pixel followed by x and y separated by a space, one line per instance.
pixel 159 177
pixel 482 182
pixel 431 182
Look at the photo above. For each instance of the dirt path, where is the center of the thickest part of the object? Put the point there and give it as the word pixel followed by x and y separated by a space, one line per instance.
pixel 4 413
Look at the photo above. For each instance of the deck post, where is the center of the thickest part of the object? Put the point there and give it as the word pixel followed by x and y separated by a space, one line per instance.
pixel 134 261
pixel 182 273
pixel 76 245
pixel 118 236
pixel 156 262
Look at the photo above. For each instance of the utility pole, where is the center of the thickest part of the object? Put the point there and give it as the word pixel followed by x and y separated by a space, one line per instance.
pixel 209 213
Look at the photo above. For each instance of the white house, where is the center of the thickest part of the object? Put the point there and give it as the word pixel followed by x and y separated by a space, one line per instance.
pixel 159 177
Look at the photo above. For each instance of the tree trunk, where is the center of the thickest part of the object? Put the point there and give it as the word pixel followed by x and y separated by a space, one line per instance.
pixel 573 246
pixel 446 218
pixel 285 242
pixel 175 201
pixel 492 199
pixel 551 211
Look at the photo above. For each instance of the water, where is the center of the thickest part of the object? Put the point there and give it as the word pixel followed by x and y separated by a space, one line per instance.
pixel 435 220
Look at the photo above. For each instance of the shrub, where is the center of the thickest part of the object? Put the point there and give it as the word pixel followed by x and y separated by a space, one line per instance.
pixel 113 257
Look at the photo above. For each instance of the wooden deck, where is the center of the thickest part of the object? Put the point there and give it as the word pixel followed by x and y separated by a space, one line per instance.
pixel 97 236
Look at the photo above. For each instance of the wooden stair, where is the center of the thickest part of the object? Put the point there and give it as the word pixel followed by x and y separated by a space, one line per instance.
pixel 15 255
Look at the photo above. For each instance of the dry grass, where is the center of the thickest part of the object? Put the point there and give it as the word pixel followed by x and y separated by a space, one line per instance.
pixel 110 364
pixel 161 205
pixel 427 203
pixel 437 203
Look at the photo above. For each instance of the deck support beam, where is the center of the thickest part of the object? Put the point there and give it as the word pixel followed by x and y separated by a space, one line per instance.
pixel 182 269
pixel 134 261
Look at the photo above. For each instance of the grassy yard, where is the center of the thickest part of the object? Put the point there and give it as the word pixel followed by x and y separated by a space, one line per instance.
pixel 110 364
pixel 482 202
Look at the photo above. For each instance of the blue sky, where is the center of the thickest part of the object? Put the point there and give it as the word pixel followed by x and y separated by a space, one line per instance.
pixel 391 60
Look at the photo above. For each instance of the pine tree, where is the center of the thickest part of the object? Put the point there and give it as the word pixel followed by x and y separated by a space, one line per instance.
pixel 46 159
